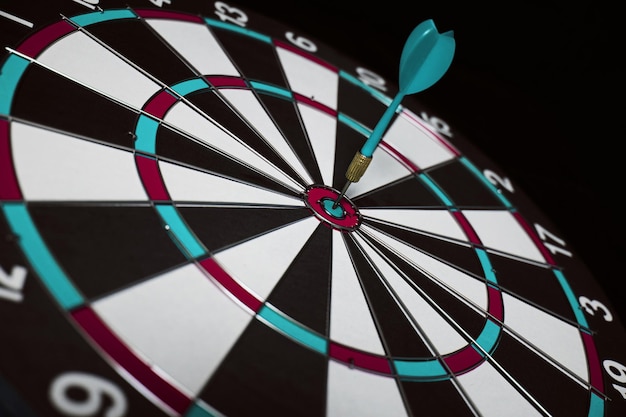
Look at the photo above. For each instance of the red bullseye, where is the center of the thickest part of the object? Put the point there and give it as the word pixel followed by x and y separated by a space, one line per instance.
pixel 321 199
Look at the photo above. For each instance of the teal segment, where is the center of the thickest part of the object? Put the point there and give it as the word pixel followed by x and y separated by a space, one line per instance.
pixel 485 181
pixel 10 74
pixel 189 86
pixel 488 337
pixel 354 124
pixel 238 29
pixel 596 407
pixel 40 257
pixel 337 212
pixel 102 16
pixel 375 93
pixel 146 131
pixel 183 235
pixel 430 369
pixel 486 264
pixel 197 410
pixel 271 89
pixel 435 189
pixel 571 297
pixel 294 330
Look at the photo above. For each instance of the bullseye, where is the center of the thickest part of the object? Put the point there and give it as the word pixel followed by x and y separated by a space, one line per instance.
pixel 320 199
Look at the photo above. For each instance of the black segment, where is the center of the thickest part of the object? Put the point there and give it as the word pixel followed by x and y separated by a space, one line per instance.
pixel 463 189
pixel 51 100
pixel 359 104
pixel 267 374
pixel 104 248
pixel 442 396
pixel 218 228
pixel 534 284
pixel 407 192
pixel 557 392
pixel 262 65
pixel 303 292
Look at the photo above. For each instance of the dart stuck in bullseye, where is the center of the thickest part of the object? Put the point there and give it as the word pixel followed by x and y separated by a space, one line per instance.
pixel 426 56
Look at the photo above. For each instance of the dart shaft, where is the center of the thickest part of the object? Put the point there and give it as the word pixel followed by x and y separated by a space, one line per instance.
pixel 375 137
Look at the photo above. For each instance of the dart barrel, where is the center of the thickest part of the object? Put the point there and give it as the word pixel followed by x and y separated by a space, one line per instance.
pixel 357 167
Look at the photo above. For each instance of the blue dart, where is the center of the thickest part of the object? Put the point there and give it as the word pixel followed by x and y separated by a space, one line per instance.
pixel 426 56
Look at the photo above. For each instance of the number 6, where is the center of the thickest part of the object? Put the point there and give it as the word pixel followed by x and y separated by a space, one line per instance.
pixel 95 388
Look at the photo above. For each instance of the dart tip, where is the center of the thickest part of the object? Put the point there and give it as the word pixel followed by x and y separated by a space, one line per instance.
pixel 341 194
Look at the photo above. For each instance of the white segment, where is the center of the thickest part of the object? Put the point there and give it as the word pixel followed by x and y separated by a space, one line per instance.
pixel 53 166
pixel 437 222
pixel 195 43
pixel 187 184
pixel 181 322
pixel 493 395
pixel 82 59
pixel 464 286
pixel 558 339
pixel 188 120
pixel 309 78
pixel 499 230
pixel 249 107
pixel 322 131
pixel 416 142
pixel 260 263
pixel 440 333
pixel 351 321
pixel 352 392
pixel 384 169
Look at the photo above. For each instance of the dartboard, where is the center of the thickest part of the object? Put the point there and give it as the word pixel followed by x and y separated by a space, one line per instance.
pixel 169 246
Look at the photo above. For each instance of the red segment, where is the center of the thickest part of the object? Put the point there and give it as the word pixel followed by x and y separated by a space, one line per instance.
pixel 231 285
pixel 160 104
pixel 360 359
pixel 496 309
pixel 313 103
pixel 463 360
pixel 151 177
pixel 227 82
pixel 467 227
pixel 316 194
pixel 108 341
pixel 9 188
pixel 304 54
pixel 162 14
pixel 595 372
pixel 35 44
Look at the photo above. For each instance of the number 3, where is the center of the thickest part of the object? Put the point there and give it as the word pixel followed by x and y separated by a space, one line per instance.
pixel 591 306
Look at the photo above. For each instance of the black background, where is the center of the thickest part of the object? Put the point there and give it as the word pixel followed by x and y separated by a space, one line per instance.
pixel 535 86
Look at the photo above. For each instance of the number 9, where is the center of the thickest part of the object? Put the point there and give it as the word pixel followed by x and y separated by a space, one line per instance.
pixel 95 388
